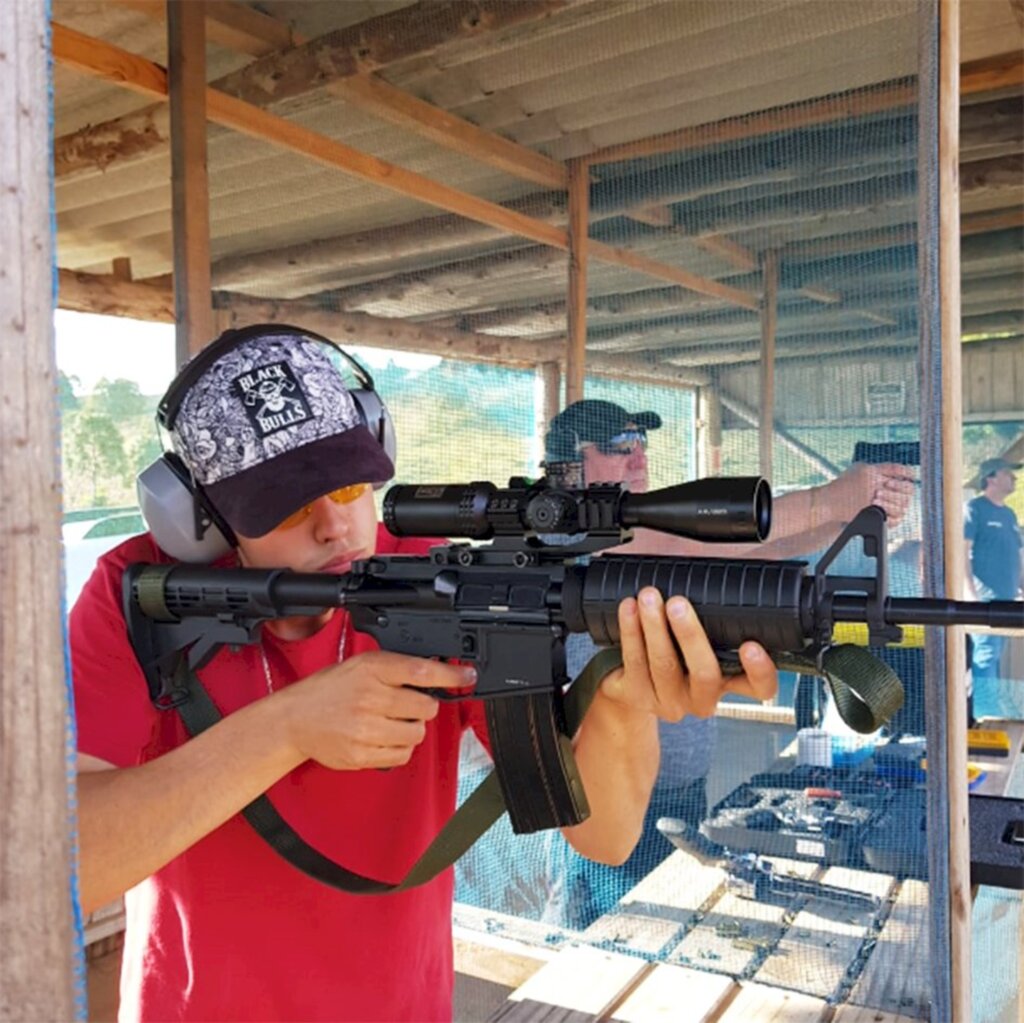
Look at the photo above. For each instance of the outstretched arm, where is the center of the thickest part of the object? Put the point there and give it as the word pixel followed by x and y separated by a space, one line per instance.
pixel 803 521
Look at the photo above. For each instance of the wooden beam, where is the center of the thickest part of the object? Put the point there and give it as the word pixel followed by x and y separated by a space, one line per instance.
pixel 369 45
pixel 709 431
pixel 190 193
pixel 576 306
pixel 376 96
pixel 413 31
pixel 37 864
pixel 99 59
pixel 109 295
pixel 732 252
pixel 92 56
pixel 246 30
pixel 992 73
pixel 769 319
pixel 675 275
pixel 122 269
pixel 232 25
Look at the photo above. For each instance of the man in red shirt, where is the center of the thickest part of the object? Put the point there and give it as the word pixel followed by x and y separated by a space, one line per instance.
pixel 341 736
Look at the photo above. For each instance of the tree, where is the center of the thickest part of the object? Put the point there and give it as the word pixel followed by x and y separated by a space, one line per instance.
pixel 67 400
pixel 97 450
pixel 120 399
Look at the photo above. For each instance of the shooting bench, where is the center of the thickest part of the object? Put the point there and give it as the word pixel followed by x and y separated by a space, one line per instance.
pixel 681 947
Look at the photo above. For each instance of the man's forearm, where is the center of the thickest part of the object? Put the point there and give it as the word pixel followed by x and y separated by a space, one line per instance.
pixel 133 821
pixel 617 754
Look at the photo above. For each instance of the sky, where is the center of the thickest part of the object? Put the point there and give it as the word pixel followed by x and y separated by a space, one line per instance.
pixel 91 347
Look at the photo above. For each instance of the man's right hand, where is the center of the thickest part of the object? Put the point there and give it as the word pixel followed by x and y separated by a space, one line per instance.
pixel 367 712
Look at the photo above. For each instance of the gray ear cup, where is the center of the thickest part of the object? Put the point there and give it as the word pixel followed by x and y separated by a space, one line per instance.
pixel 378 421
pixel 180 523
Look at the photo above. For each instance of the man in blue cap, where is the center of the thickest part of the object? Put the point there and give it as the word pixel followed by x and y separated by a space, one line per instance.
pixel 993 549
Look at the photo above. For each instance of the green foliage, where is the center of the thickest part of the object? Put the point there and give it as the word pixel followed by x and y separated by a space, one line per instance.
pixel 120 399
pixel 67 401
pixel 93 448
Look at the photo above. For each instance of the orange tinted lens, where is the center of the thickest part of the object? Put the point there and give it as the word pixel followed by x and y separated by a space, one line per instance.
pixel 343 495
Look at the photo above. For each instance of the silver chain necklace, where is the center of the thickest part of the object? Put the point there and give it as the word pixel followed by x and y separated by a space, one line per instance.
pixel 266 663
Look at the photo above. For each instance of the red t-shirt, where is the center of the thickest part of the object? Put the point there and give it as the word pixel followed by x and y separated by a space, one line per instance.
pixel 230 931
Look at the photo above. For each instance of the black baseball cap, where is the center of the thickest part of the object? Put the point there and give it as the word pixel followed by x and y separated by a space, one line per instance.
pixel 591 421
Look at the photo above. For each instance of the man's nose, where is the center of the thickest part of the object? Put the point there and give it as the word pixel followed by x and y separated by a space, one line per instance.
pixel 329 519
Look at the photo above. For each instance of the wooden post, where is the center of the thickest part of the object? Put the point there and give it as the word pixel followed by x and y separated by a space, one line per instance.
pixel 37 931
pixel 952 514
pixel 709 438
pixel 549 380
pixel 579 218
pixel 769 310
pixel 190 206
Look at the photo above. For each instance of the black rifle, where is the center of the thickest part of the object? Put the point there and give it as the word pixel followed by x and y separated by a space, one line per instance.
pixel 507 606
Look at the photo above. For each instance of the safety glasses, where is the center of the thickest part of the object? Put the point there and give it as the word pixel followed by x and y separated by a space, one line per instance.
pixel 624 443
pixel 343 495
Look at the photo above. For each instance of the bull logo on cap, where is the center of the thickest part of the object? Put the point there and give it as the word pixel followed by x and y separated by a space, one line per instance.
pixel 273 398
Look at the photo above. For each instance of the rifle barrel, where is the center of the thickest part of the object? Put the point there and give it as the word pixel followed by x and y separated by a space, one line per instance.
pixel 996 614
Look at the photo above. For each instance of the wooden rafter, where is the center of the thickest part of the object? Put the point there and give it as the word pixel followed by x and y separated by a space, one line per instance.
pixel 243 29
pixel 101 59
pixel 106 294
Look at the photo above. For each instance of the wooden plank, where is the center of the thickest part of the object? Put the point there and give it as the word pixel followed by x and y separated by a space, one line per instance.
pixel 825 938
pixel 549 377
pixel 582 979
pixel 654 915
pixel 37 929
pixel 769 1005
pixel 496 958
pixel 190 191
pixel 576 302
pixel 860 1014
pixel 731 935
pixel 674 994
pixel 732 252
pixel 896 978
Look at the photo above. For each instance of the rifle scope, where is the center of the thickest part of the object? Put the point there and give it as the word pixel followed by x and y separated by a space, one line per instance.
pixel 722 509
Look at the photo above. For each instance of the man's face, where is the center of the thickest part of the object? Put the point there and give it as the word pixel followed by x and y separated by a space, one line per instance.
pixel 627 464
pixel 327 539
pixel 1002 482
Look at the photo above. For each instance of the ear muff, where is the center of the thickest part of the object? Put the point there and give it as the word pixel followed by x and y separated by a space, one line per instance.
pixel 183 522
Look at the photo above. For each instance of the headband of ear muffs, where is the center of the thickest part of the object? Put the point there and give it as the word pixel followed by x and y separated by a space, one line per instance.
pixel 183 522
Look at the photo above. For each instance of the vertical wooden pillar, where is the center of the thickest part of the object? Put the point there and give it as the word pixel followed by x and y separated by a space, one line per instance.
pixel 549 381
pixel 709 447
pixel 769 315
pixel 952 514
pixel 37 931
pixel 190 204
pixel 579 218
